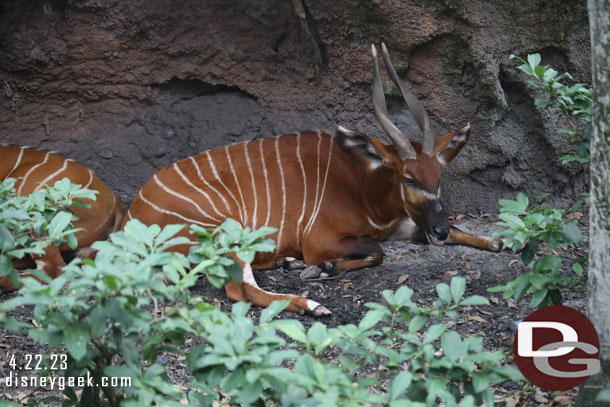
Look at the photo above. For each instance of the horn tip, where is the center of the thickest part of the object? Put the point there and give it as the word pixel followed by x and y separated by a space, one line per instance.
pixel 383 48
pixel 374 50
pixel 344 130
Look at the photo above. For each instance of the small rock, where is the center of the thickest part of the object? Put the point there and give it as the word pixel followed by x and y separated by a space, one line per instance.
pixel 514 325
pixel 106 153
pixel 511 385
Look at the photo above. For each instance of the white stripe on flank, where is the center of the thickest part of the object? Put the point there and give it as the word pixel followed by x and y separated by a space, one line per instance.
pixel 380 227
pixel 315 204
pixel 129 214
pixel 260 145
pixel 184 198
pixel 244 213
pixel 279 164
pixel 50 177
pixel 17 163
pixel 330 151
pixel 201 177
pixel 253 184
pixel 90 179
pixel 241 218
pixel 46 158
pixel 166 212
pixel 196 188
pixel 300 222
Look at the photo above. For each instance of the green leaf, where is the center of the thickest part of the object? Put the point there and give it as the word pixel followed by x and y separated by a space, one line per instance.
pixel 523 201
pixel 578 269
pixel 433 332
pixel 571 232
pixel 480 381
pixel 7 242
pixel 294 330
pixel 476 299
pixel 400 384
pixel 538 298
pixel 272 310
pixel 76 341
pixel 458 288
pixel 60 221
pixel 512 221
pixel 370 320
pixel 453 346
pixel 603 395
pixel 533 60
pixel 550 263
pixel 529 251
pixel 417 323
pixel 444 293
pixel 318 336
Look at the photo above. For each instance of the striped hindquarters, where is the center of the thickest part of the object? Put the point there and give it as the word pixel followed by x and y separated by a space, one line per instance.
pixel 33 168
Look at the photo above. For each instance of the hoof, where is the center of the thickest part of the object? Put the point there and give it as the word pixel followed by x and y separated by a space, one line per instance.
pixel 321 311
pixel 310 273
pixel 496 245
pixel 291 264
pixel 295 265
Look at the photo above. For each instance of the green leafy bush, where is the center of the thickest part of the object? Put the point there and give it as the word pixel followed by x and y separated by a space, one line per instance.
pixel 537 230
pixel 575 100
pixel 29 224
pixel 115 317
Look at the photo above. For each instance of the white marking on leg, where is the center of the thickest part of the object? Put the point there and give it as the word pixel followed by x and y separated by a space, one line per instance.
pixel 253 184
pixel 244 213
pixel 330 151
pixel 25 178
pixel 309 223
pixel 184 198
pixel 50 177
pixel 196 188
pixel 312 305
pixel 248 278
pixel 166 212
pixel 266 183
pixel 300 221
pixel 16 163
pixel 207 184
pixel 279 164
pixel 213 167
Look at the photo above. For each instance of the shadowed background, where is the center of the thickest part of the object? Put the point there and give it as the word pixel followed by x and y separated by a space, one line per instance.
pixel 127 87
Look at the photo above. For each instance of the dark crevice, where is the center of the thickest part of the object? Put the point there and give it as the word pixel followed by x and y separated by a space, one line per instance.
pixel 192 88
pixel 313 25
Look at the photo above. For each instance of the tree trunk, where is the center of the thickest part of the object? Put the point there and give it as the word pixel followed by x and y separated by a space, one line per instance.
pixel 599 255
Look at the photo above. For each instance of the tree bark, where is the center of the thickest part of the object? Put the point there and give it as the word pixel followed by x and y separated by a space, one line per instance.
pixel 599 249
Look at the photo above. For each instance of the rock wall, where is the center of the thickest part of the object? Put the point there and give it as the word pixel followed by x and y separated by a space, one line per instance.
pixel 127 87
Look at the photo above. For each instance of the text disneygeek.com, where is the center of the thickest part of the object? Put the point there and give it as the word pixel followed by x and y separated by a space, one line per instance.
pixel 45 371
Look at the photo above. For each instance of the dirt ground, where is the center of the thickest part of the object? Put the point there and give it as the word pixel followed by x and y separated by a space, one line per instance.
pixel 420 267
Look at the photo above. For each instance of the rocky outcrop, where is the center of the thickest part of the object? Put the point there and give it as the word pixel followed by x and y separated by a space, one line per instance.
pixel 128 87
